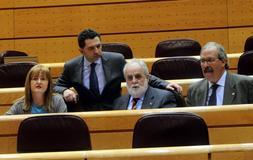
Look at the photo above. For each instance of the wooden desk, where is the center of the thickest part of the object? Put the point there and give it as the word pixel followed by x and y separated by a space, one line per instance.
pixel 225 151
pixel 114 129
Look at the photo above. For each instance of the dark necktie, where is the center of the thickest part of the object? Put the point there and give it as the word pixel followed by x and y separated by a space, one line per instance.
pixel 134 102
pixel 212 99
pixel 93 80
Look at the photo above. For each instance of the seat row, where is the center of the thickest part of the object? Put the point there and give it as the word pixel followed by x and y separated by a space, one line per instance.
pixel 70 132
pixel 114 129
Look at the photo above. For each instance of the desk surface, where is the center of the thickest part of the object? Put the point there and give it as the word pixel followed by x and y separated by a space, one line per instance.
pixel 145 153
pixel 114 129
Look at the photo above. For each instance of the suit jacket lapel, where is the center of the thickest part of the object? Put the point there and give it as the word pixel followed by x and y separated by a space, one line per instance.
pixel 148 100
pixel 202 94
pixel 79 75
pixel 229 90
pixel 124 102
pixel 107 68
pixel 79 71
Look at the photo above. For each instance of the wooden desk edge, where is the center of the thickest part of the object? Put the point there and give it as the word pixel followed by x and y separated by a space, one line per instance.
pixel 120 113
pixel 140 152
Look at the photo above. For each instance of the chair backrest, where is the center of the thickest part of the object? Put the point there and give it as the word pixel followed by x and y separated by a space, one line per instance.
pixel 14 74
pixel 177 47
pixel 177 68
pixel 10 53
pixel 248 46
pixel 122 48
pixel 53 133
pixel 245 62
pixel 170 129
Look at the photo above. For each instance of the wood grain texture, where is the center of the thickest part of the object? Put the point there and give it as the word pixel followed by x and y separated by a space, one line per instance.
pixel 113 129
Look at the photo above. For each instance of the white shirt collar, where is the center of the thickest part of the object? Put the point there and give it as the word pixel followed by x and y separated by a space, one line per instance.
pixel 221 81
pixel 87 63
pixel 131 98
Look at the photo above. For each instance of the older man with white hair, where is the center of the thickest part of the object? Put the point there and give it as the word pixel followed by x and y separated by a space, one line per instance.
pixel 140 94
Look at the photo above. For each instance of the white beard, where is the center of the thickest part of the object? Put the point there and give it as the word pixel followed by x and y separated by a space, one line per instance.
pixel 137 91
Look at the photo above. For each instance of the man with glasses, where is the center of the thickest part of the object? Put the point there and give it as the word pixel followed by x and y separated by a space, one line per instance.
pixel 219 87
pixel 140 94
pixel 96 76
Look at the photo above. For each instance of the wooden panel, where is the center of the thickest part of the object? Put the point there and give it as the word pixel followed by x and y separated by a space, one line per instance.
pixel 4 108
pixel 240 12
pixel 118 140
pixel 11 94
pixel 39 3
pixel 131 17
pixel 6 4
pixel 51 50
pixel 144 44
pixel 236 133
pixel 113 129
pixel 6 143
pixel 7 28
pixel 233 156
pixel 6 45
pixel 237 38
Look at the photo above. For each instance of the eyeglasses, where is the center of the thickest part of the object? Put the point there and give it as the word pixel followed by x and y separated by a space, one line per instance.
pixel 98 46
pixel 208 60
pixel 137 76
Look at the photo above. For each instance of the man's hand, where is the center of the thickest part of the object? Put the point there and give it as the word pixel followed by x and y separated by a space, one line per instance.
pixel 70 96
pixel 174 86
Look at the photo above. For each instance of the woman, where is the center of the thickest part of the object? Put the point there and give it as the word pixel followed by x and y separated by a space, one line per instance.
pixel 38 94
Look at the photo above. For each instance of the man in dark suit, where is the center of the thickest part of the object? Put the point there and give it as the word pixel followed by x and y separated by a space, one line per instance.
pixel 96 76
pixel 219 87
pixel 140 94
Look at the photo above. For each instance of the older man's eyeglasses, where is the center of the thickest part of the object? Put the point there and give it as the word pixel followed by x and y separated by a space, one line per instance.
pixel 208 60
pixel 137 76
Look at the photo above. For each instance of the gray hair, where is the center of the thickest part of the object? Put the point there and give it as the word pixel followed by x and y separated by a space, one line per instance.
pixel 141 63
pixel 220 50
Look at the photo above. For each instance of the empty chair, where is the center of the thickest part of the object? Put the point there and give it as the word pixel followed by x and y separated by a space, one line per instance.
pixel 177 47
pixel 10 53
pixel 248 46
pixel 177 68
pixel 245 63
pixel 122 48
pixel 53 133
pixel 14 74
pixel 170 129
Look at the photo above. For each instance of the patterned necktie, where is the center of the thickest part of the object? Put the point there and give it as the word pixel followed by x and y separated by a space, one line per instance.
pixel 93 80
pixel 134 102
pixel 212 99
